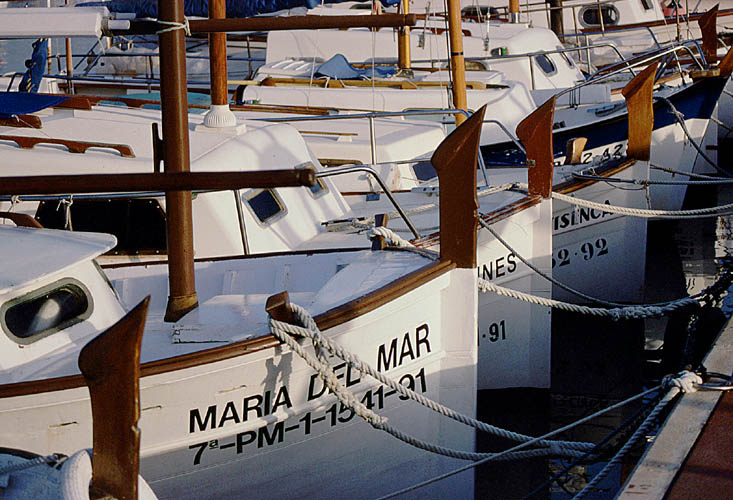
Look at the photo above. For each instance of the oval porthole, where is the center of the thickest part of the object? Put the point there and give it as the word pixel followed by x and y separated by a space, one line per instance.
pixel 591 16
pixel 45 311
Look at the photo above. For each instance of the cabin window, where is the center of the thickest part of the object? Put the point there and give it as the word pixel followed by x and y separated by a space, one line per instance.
pixel 424 170
pixel 647 4
pixel 138 224
pixel 591 15
pixel 45 311
pixel 265 205
pixel 545 64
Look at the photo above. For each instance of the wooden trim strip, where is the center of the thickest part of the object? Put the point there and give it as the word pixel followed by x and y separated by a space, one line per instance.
pixel 21 121
pixel 27 142
pixel 328 319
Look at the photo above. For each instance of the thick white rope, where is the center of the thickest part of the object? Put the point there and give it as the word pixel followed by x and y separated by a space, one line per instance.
pixel 638 212
pixel 615 313
pixel 285 331
pixel 647 182
pixel 685 381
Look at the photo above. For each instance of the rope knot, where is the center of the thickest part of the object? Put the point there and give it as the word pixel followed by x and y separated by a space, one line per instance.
pixel 392 238
pixel 172 26
pixel 685 381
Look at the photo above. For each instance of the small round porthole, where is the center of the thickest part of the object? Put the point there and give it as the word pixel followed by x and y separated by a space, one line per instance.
pixel 45 311
pixel 591 16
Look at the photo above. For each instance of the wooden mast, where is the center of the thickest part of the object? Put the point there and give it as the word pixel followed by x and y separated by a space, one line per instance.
pixel 403 40
pixel 176 158
pixel 513 11
pixel 457 62
pixel 219 114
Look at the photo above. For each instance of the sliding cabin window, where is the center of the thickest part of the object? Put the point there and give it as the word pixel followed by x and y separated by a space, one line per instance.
pixel 265 204
pixel 590 16
pixel 45 311
pixel 138 224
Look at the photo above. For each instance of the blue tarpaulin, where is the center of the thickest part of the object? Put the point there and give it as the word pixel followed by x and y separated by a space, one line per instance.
pixel 339 67
pixel 234 8
pixel 20 103
pixel 36 66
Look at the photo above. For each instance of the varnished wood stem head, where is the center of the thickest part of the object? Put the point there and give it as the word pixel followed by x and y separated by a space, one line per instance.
pixel 535 132
pixel 110 364
pixel 638 95
pixel 455 161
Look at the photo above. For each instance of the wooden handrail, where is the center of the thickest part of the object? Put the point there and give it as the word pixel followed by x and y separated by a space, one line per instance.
pixel 27 142
pixel 21 121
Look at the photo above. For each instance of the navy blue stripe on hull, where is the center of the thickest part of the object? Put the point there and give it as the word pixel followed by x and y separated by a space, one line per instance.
pixel 694 101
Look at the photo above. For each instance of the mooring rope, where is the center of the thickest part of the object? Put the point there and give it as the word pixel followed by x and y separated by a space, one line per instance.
pixel 640 212
pixel 615 313
pixel 649 182
pixel 684 381
pixel 521 445
pixel 285 332
pixel 534 268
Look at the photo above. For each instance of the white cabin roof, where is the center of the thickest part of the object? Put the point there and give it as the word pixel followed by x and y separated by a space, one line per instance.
pixel 30 254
